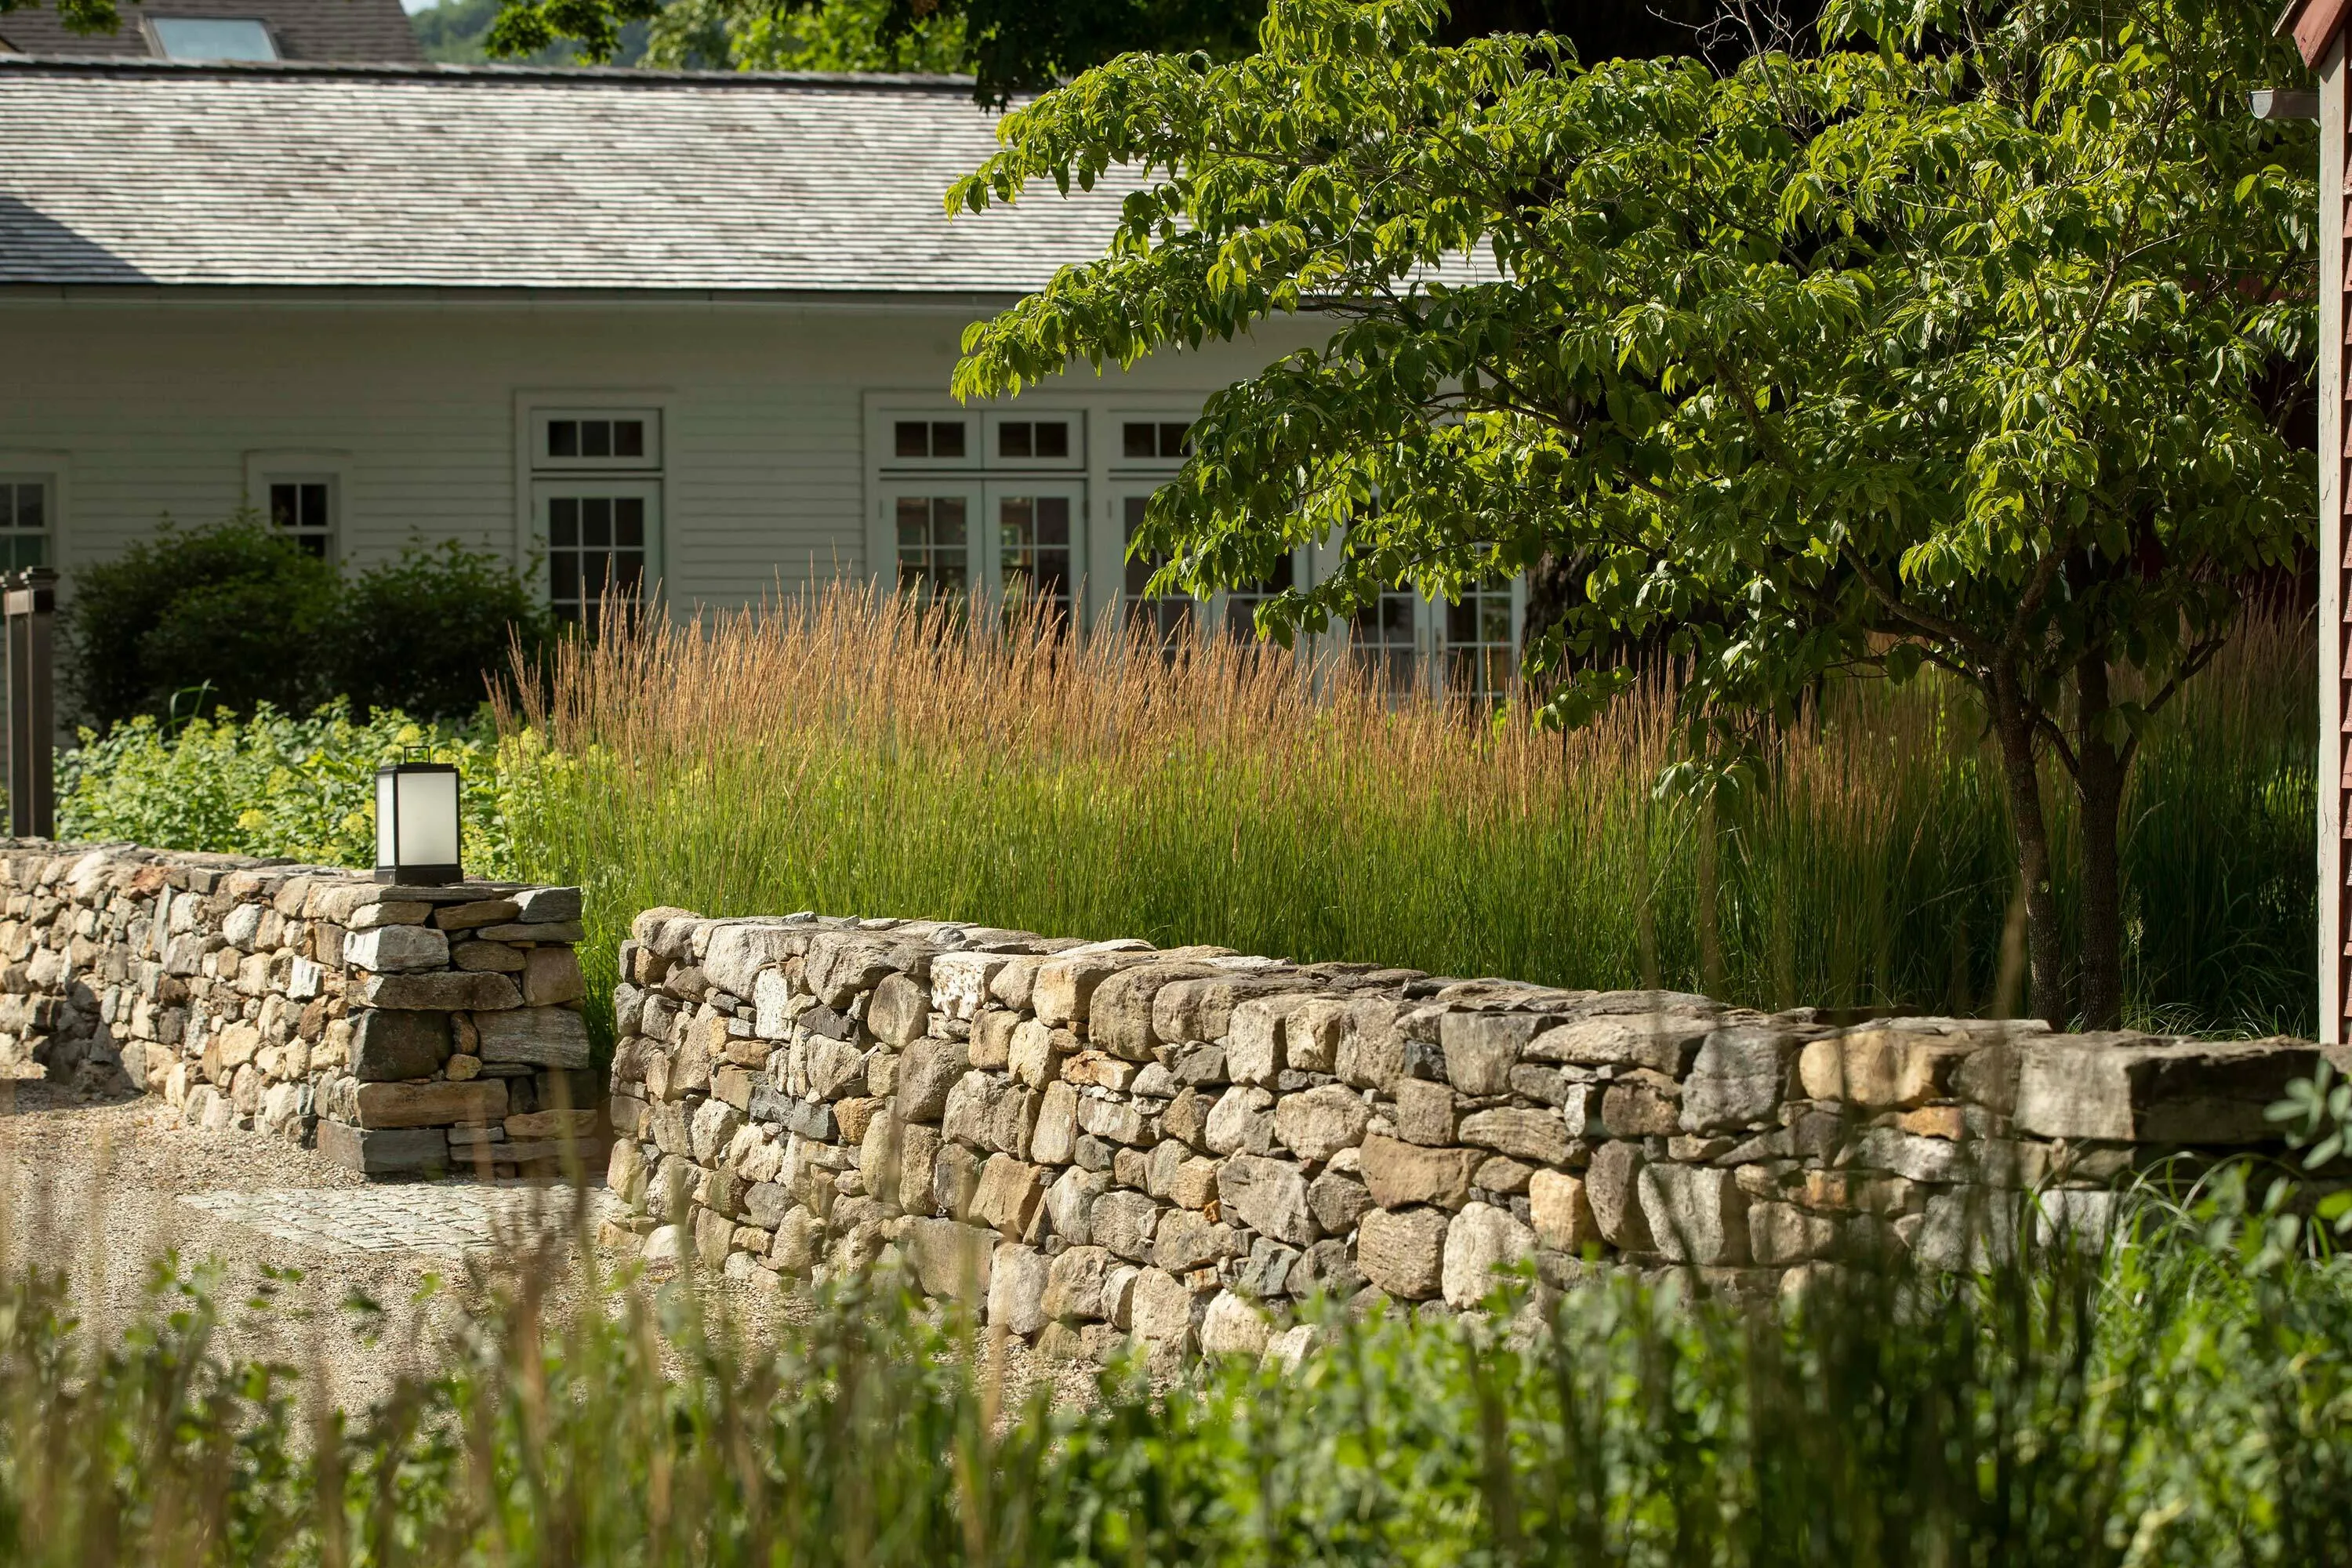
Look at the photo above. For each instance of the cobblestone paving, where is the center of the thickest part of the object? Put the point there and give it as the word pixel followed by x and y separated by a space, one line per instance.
pixel 451 1218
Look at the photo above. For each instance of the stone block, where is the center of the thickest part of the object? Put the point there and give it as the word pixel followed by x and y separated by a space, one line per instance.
pixel 1402 1252
pixel 1426 1112
pixel 960 981
pixel 436 1104
pixel 1123 1221
pixel 739 951
pixel 1910 1156
pixel 2134 1091
pixel 1202 1009
pixel 1337 1202
pixel 1371 1045
pixel 547 906
pixel 374 1152
pixel 1318 1122
pixel 556 1124
pixel 955 1178
pixel 1233 1327
pixel 1008 1194
pixel 1481 1048
pixel 1738 1079
pixel 1311 1033
pixel 1256 1047
pixel 1033 1051
pixel 1118 1016
pixel 389 1046
pixel 1561 1213
pixel 919 1154
pixel 899 1011
pixel 1661 1042
pixel 1064 988
pixel 454 990
pixel 1159 1308
pixel 928 1071
pixel 1074 1284
pixel 1017 1290
pixel 240 932
pixel 1267 1195
pixel 466 917
pixel 1069 1203
pixel 1053 1139
pixel 543 1037
pixel 1193 1183
pixel 488 957
pixel 1241 1120
pixel 1400 1174
pixel 396 948
pixel 1610 1186
pixel 1538 1136
pixel 1780 1235
pixel 1694 1215
pixel 1481 1242
pixel 551 977
pixel 1187 1241
pixel 951 1261
pixel 1641 1104
pixel 1881 1069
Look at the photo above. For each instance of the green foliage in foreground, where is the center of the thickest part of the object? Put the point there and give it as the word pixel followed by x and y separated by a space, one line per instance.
pixel 271 784
pixel 2178 1401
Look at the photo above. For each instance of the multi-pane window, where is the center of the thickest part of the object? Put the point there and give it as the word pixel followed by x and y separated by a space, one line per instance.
pixel 596 553
pixel 928 439
pixel 1034 552
pixel 1154 440
pixel 1481 655
pixel 303 511
pixel 25 517
pixel 1382 641
pixel 934 547
pixel 1169 616
pixel 1032 441
pixel 598 439
pixel 597 489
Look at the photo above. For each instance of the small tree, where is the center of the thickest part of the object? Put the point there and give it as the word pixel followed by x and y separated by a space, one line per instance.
pixel 1957 348
pixel 427 631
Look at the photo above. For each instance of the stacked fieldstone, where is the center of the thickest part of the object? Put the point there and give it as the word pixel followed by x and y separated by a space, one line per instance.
pixel 411 1031
pixel 1089 1141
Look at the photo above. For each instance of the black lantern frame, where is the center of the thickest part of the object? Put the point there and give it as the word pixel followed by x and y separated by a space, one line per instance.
pixel 417 817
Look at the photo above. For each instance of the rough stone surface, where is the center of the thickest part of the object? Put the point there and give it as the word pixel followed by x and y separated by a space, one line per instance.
pixel 1267 1195
pixel 1318 1122
pixel 1480 1243
pixel 1402 1252
pixel 1401 1174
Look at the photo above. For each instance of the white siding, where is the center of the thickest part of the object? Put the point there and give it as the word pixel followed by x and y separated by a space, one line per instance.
pixel 156 401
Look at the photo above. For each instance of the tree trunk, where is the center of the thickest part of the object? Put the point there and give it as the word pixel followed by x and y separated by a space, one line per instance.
pixel 2099 781
pixel 2045 954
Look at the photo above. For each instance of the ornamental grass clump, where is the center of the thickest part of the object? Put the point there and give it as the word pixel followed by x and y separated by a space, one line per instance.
pixel 855 755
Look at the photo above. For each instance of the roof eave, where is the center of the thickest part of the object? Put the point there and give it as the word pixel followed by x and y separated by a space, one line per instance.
pixel 2313 24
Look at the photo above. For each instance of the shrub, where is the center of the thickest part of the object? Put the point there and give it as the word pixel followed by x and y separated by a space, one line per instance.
pixel 421 633
pixel 231 610
pixel 272 784
pixel 234 616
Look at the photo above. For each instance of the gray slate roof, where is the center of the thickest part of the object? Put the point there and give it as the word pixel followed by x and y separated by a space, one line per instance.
pixel 304 29
pixel 494 177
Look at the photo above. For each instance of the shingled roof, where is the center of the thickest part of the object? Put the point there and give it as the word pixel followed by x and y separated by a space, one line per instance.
pixel 486 177
pixel 303 29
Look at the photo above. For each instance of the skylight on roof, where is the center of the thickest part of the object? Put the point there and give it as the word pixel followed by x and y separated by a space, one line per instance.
pixel 211 38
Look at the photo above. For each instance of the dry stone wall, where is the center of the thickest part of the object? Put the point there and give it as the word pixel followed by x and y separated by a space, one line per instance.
pixel 408 1031
pixel 1093 1141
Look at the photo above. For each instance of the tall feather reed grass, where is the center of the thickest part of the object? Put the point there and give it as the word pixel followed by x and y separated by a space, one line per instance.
pixel 853 753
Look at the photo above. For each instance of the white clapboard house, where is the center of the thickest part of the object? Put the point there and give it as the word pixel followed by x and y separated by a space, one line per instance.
pixel 688 335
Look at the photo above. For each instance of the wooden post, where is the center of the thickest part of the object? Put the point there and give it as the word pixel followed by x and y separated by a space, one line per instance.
pixel 32 600
pixel 2334 566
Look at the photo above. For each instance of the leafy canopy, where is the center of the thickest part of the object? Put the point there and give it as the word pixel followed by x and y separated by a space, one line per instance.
pixel 1949 347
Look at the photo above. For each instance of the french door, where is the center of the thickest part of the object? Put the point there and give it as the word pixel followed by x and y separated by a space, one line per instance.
pixel 1007 543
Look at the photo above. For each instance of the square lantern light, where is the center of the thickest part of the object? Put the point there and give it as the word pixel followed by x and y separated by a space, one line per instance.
pixel 417 823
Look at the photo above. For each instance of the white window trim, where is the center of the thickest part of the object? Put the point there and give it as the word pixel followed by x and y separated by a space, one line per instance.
pixel 268 466
pixel 650 462
pixel 1075 464
pixel 530 403
pixel 54 468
